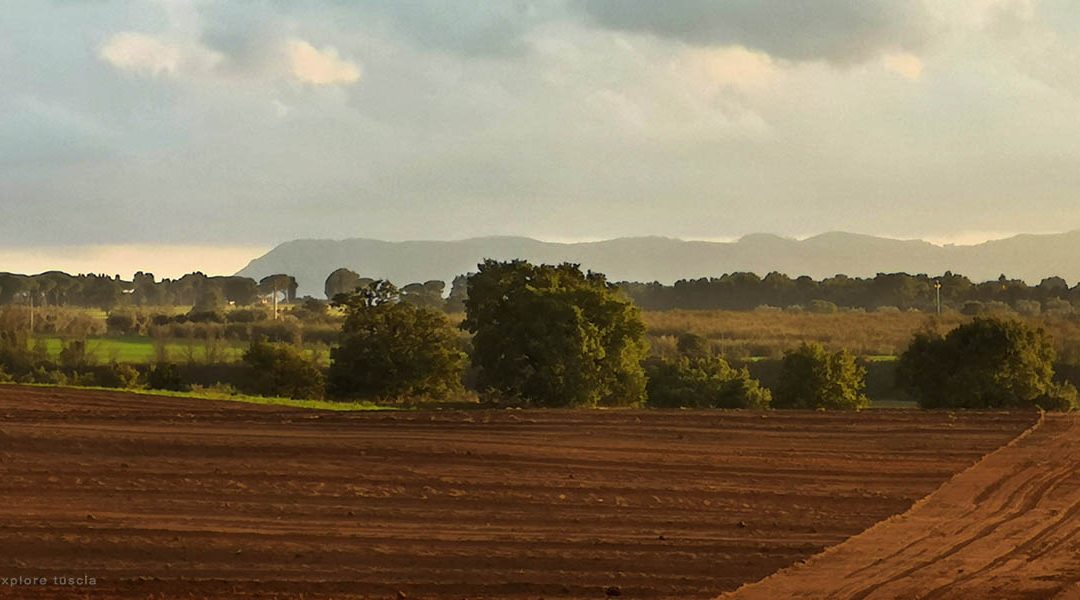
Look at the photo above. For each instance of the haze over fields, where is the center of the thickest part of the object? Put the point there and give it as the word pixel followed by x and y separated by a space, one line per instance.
pixel 146 126
pixel 1028 257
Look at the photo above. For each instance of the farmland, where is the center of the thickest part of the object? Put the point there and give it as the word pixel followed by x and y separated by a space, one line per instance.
pixel 1006 528
pixel 171 497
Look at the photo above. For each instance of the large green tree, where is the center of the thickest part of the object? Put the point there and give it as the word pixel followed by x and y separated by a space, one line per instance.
pixel 343 281
pixel 813 378
pixel 389 348
pixel 554 336
pixel 279 284
pixel 987 363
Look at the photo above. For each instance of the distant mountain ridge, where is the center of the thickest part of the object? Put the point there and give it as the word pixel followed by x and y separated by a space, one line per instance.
pixel 1028 257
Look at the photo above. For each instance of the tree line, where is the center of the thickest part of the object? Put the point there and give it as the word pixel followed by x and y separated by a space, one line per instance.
pixel 551 335
pixel 733 291
pixel 747 291
pixel 105 292
pixel 555 336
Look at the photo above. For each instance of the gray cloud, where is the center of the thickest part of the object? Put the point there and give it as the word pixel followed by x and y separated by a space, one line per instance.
pixel 476 118
pixel 464 27
pixel 841 31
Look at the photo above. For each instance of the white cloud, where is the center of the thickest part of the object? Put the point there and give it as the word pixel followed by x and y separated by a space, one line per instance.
pixel 133 51
pixel 320 67
pixel 155 55
pixel 904 64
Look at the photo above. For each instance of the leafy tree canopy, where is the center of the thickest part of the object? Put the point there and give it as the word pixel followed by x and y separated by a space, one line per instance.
pixel 987 363
pixel 813 378
pixel 390 348
pixel 702 382
pixel 554 336
pixel 284 370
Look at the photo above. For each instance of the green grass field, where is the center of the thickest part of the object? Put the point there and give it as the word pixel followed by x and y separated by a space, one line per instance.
pixel 140 350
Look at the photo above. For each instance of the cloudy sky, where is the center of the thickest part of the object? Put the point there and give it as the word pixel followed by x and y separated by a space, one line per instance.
pixel 207 131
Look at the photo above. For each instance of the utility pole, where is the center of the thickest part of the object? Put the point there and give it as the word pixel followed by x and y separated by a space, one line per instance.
pixel 275 301
pixel 937 288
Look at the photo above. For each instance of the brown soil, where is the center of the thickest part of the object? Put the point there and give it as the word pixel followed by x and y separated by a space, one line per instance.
pixel 1009 527
pixel 174 498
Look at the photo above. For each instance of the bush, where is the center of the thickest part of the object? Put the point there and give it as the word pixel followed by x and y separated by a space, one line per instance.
pixel 165 376
pixel 1028 308
pixel 813 378
pixel 693 345
pixel 123 323
pixel 44 375
pixel 283 370
pixel 702 382
pixel 1060 397
pixel 987 363
pixel 277 331
pixel 389 348
pixel 118 375
pixel 206 316
pixel 1058 307
pixel 73 355
pixel 822 307
pixel 554 336
pixel 246 315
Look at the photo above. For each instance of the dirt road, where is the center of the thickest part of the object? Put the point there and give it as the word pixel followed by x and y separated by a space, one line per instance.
pixel 1009 527
pixel 169 498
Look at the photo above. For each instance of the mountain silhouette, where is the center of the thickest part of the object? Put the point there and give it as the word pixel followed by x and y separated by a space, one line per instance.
pixel 1027 257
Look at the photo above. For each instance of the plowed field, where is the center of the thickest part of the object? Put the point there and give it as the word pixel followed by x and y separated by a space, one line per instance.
pixel 1009 527
pixel 174 498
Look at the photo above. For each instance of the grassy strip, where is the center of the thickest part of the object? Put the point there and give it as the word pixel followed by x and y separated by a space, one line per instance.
pixel 140 350
pixel 211 395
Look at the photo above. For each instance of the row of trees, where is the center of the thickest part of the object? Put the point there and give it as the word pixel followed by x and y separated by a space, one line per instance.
pixel 555 336
pixel 101 291
pixel 746 291
pixel 734 291
pixel 552 335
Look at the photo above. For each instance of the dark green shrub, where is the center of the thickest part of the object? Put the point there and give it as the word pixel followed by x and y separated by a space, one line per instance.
pixel 813 378
pixel 165 376
pixel 118 375
pixel 123 323
pixel 1060 397
pixel 987 363
pixel 73 355
pixel 246 315
pixel 283 370
pixel 702 382
pixel 693 345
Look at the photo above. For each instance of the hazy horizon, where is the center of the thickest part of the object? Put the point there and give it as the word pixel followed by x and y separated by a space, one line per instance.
pixel 175 260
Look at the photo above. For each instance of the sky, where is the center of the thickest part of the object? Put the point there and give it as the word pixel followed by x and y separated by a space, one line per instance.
pixel 190 134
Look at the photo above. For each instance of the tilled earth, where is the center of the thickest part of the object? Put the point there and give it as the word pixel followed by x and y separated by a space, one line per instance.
pixel 156 497
pixel 1009 527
